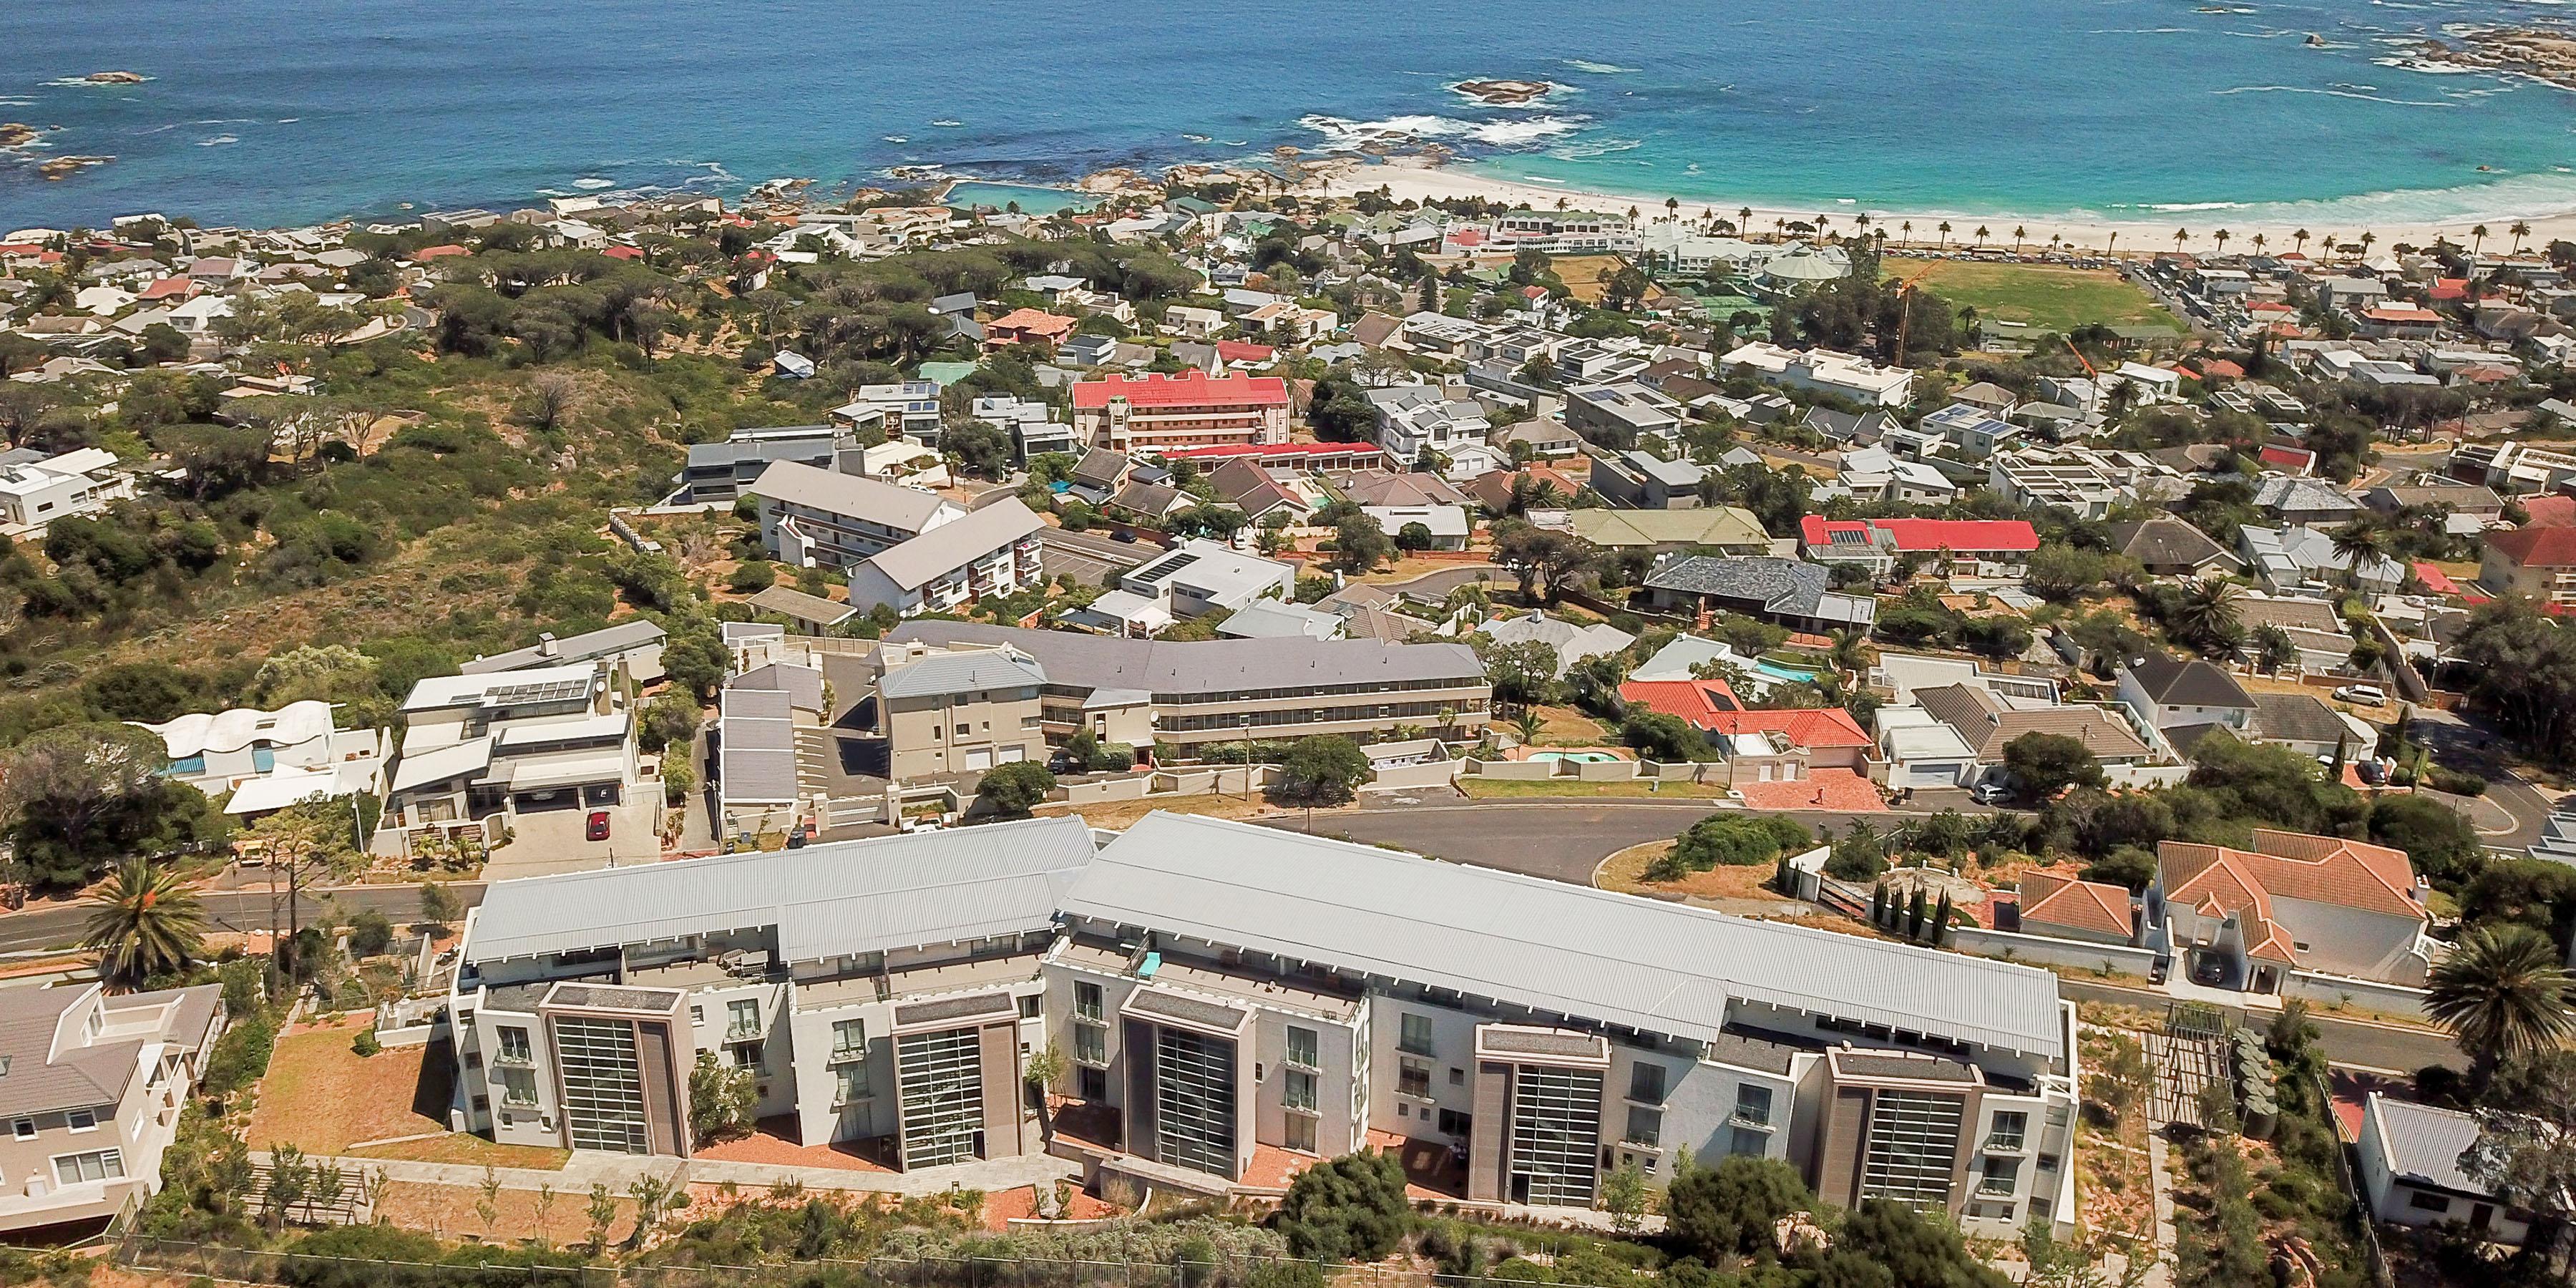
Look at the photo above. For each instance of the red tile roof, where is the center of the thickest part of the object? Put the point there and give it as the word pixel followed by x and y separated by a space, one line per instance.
pixel 2057 899
pixel 168 287
pixel 1239 351
pixel 2450 288
pixel 1802 726
pixel 1960 534
pixel 428 253
pixel 1036 322
pixel 2436 580
pixel 1187 389
pixel 1697 701
pixel 2536 547
pixel 2220 367
pixel 2295 457
pixel 1817 530
pixel 628 253
pixel 2550 511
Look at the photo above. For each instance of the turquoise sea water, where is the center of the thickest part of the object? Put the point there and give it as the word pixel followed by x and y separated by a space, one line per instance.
pixel 264 111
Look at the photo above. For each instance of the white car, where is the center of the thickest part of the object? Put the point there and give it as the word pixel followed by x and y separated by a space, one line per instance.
pixel 2368 695
pixel 1989 794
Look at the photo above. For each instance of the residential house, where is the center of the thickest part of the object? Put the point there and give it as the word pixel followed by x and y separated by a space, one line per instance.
pixel 720 472
pixel 633 648
pixel 1192 580
pixel 2057 905
pixel 1190 409
pixel 2537 562
pixel 2316 631
pixel 1965 547
pixel 2168 693
pixel 765 717
pixel 1922 752
pixel 34 493
pixel 1157 959
pixel 298 743
pixel 2410 1170
pixel 1977 433
pixel 1791 592
pixel 1622 416
pixel 530 752
pixel 1028 326
pixel 1279 619
pixel 2304 502
pixel 988 553
pixel 2245 919
pixel 905 409
pixel 1416 419
pixel 1875 474
pixel 1989 722
pixel 1030 423
pixel 1546 439
pixel 93 1096
pixel 957 711
pixel 1444 527
pixel 805 614
pixel 1822 371
pixel 1730 529
pixel 1640 481
pixel 1258 493
pixel 1569 641
pixel 2290 560
pixel 2171 548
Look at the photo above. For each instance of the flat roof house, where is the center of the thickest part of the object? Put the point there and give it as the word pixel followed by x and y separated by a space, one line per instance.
pixel 634 648
pixel 1238 1001
pixel 92 1091
pixel 1621 416
pixel 1642 481
pixel 511 750
pixel 1211 691
pixel 34 493
pixel 721 471
pixel 231 750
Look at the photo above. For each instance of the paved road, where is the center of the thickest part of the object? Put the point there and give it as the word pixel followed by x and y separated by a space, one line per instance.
pixel 2466 743
pixel 56 925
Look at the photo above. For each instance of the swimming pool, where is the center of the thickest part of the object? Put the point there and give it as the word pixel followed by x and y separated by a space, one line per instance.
pixel 1579 757
pixel 1770 670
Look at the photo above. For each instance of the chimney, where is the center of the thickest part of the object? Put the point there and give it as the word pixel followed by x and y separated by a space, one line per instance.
pixel 546 646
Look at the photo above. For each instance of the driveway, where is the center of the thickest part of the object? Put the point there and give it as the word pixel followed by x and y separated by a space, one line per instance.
pixel 1437 585
pixel 1087 558
pixel 553 841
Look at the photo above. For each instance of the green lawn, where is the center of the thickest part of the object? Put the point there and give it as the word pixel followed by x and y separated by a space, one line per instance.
pixel 2043 295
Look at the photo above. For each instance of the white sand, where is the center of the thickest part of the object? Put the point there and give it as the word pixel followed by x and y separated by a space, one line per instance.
pixel 1416 180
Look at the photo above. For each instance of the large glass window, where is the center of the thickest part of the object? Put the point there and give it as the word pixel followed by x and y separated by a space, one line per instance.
pixel 603 1085
pixel 1090 1044
pixel 1301 1133
pixel 1913 1142
pixel 96 1165
pixel 1299 1092
pixel 742 1019
pixel 1747 1141
pixel 1753 1104
pixel 941 1076
pixel 1556 1136
pixel 2011 1129
pixel 514 1046
pixel 849 1039
pixel 1413 1078
pixel 1414 1034
pixel 1645 1126
pixel 518 1086
pixel 2001 1177
pixel 1301 1048
pixel 1646 1083
pixel 1194 1100
pixel 1086 1001
pixel 850 1083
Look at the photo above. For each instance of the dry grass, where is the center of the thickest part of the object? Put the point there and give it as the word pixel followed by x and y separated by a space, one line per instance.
pixel 2115 1193
pixel 1567 727
pixel 324 1098
pixel 1625 873
pixel 1587 277
pixel 447 1211
pixel 1119 814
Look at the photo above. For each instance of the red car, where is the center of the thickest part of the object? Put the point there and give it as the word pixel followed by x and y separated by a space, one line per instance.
pixel 598 830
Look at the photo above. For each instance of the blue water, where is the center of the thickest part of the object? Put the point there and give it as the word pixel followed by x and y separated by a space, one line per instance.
pixel 266 111
pixel 1771 670
pixel 1030 198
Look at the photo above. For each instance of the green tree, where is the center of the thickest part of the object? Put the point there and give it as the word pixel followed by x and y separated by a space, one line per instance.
pixel 1360 545
pixel 1623 1196
pixel 439 905
pixel 147 924
pixel 2044 764
pixel 722 1099
pixel 324 672
pixel 1323 770
pixel 1015 789
pixel 1350 1208
pixel 2443 843
pixel 1727 1211
pixel 2502 992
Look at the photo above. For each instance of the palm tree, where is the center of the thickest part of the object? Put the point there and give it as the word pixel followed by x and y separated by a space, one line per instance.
pixel 1527 723
pixel 1672 207
pixel 2299 240
pixel 2258 243
pixel 150 924
pixel 2181 235
pixel 2357 543
pixel 1861 221
pixel 2365 239
pixel 1945 233
pixel 2221 237
pixel 1780 226
pixel 2019 233
pixel 1744 216
pixel 1907 228
pixel 2502 992
pixel 2477 238
pixel 1982 234
pixel 2519 230
pixel 1850 652
pixel 2207 613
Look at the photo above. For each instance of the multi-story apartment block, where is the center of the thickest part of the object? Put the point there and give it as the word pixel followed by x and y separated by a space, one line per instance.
pixel 957 711
pixel 817 518
pixel 1564 232
pixel 1190 409
pixel 989 552
pixel 720 471
pixel 1196 693
pixel 1231 999
pixel 1413 419
pixel 90 1088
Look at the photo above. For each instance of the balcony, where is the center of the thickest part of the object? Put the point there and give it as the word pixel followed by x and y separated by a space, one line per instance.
pixel 517 1057
pixel 745 1031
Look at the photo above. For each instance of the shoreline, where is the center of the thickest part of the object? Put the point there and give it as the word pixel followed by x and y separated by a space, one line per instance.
pixel 1423 179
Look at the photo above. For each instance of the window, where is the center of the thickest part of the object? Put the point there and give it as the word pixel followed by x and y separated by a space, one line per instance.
pixel 1092 1084
pixel 1645 1126
pixel 1454 1123
pixel 2002 1176
pixel 1414 1034
pixel 849 1039
pixel 1646 1083
pixel 518 1086
pixel 2009 1131
pixel 96 1165
pixel 849 1084
pixel 1457 1076
pixel 742 1019
pixel 1748 1142
pixel 1301 1048
pixel 263 758
pixel 2422 1201
pixel 1413 1078
pixel 697 1015
pixel 83 1119
pixel 1029 1006
pixel 1301 1133
pixel 514 1046
pixel 23 1129
pixel 1086 1001
pixel 1300 1090
pixel 744 1055
pixel 1090 1044
pixel 1752 1104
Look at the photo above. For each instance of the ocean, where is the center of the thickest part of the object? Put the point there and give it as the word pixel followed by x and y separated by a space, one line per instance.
pixel 281 111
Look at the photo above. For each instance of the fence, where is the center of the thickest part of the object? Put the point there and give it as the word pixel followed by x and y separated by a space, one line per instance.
pixel 2364 1231
pixel 246 1265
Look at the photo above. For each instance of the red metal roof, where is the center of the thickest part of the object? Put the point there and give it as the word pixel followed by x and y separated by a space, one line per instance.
pixel 1960 534
pixel 1225 451
pixel 1241 351
pixel 2436 580
pixel 1187 389
pixel 1817 530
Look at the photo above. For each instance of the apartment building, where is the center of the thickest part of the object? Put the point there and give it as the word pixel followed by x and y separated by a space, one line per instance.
pixel 1189 409
pixel 1563 232
pixel 1413 419
pixel 1232 999
pixel 91 1087
pixel 957 711
pixel 721 471
pixel 818 518
pixel 988 552
pixel 1211 691
pixel 2538 562
pixel 1622 416
pixel 1822 371
pixel 512 749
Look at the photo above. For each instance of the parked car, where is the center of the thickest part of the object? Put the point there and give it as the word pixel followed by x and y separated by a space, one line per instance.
pixel 598 829
pixel 2368 695
pixel 1989 794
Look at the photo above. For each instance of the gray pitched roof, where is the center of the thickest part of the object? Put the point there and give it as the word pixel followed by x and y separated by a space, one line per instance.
pixel 756 747
pixel 826 900
pixel 1210 666
pixel 1589 954
pixel 2297 717
pixel 800 484
pixel 2424 1144
pixel 94 1075
pixel 1789 587
pixel 2187 682
pixel 963 672
pixel 789 602
pixel 956 543
pixel 2161 542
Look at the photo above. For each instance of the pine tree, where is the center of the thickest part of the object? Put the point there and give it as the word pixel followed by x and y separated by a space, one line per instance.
pixel 1878 905
pixel 1941 921
pixel 1914 915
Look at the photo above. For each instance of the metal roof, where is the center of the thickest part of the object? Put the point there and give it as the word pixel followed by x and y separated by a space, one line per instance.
pixel 573 648
pixel 2423 1144
pixel 825 900
pixel 956 543
pixel 756 748
pixel 963 672
pixel 1210 666
pixel 1605 957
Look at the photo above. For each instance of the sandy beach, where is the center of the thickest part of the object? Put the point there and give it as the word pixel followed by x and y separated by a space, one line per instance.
pixel 1418 179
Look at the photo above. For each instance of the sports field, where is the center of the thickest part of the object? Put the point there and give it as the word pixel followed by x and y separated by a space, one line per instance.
pixel 2043 295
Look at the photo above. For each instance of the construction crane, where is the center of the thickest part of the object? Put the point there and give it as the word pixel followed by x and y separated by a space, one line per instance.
pixel 2079 357
pixel 1905 315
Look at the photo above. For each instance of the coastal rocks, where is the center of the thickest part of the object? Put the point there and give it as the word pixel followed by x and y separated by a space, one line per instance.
pixel 1504 93
pixel 2540 54
pixel 116 78
pixel 14 134
pixel 65 167
pixel 1113 181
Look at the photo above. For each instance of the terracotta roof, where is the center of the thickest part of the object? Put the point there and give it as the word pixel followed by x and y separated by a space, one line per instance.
pixel 1239 351
pixel 1697 701
pixel 2536 547
pixel 2292 865
pixel 2436 580
pixel 1960 534
pixel 1186 389
pixel 2061 900
pixel 2549 512
pixel 1802 726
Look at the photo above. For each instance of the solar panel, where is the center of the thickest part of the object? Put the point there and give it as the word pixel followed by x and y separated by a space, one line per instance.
pixel 512 695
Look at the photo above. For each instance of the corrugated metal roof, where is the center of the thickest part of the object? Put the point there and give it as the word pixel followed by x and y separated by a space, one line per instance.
pixel 1611 958
pixel 826 900
pixel 963 672
pixel 2424 1143
pixel 756 749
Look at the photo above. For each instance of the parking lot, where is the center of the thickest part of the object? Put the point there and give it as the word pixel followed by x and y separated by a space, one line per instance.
pixel 1089 559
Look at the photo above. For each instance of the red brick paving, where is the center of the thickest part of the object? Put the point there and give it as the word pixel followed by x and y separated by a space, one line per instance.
pixel 1838 790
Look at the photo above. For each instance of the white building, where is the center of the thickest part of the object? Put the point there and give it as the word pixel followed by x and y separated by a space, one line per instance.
pixel 534 752
pixel 35 492
pixel 984 554
pixel 1822 371
pixel 2410 1169
pixel 224 752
